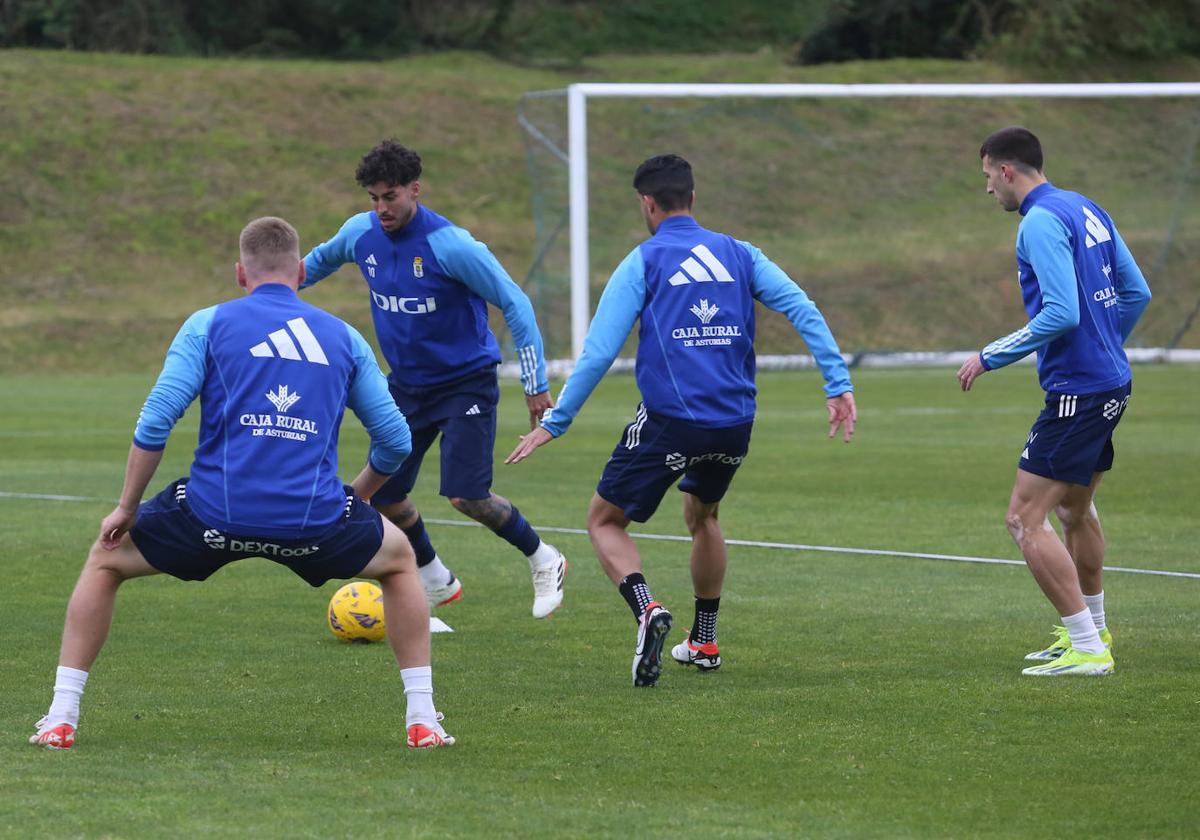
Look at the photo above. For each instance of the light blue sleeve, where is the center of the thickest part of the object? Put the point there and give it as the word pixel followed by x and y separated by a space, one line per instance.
pixel 178 384
pixel 1045 243
pixel 776 290
pixel 470 262
pixel 372 403
pixel 329 256
pixel 1133 292
pixel 618 310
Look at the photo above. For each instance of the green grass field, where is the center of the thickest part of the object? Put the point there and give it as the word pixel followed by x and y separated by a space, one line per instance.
pixel 861 696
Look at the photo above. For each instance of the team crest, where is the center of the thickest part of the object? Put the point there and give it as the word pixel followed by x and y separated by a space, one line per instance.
pixel 418 267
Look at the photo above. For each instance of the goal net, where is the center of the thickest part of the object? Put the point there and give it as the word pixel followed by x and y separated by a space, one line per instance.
pixel 869 196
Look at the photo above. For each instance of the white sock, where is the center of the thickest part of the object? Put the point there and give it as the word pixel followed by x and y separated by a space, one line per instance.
pixel 68 689
pixel 434 573
pixel 1095 603
pixel 543 556
pixel 1083 632
pixel 418 690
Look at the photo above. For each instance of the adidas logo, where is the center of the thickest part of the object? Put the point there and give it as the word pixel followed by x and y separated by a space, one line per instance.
pixel 1097 232
pixel 691 269
pixel 286 348
pixel 474 410
pixel 370 263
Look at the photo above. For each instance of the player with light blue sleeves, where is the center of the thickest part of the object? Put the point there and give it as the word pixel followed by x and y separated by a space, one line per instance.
pixel 1084 293
pixel 693 291
pixel 430 283
pixel 274 376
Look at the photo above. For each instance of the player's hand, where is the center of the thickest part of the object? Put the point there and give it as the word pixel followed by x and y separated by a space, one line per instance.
pixel 842 412
pixel 538 403
pixel 115 526
pixel 537 437
pixel 971 370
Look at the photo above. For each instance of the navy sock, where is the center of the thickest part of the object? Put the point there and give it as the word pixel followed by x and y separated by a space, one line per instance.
pixel 419 537
pixel 636 593
pixel 704 628
pixel 520 533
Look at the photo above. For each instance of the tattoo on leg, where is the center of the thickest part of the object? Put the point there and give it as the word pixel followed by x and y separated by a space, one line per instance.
pixel 403 514
pixel 493 511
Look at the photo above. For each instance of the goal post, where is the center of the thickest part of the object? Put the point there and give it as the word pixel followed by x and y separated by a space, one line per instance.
pixel 576 153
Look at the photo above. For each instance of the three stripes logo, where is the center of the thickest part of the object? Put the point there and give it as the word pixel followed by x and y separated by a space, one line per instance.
pixel 1066 405
pixel 474 409
pixel 691 269
pixel 371 265
pixel 286 348
pixel 633 434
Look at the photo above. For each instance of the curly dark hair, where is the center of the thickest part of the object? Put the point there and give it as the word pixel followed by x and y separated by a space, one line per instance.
pixel 391 163
pixel 668 180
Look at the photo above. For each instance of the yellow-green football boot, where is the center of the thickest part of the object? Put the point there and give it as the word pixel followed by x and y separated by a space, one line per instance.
pixel 1074 663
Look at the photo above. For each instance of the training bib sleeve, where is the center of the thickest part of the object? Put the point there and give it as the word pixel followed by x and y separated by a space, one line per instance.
pixel 329 256
pixel 1047 246
pixel 619 307
pixel 178 384
pixel 372 403
pixel 775 290
pixel 473 264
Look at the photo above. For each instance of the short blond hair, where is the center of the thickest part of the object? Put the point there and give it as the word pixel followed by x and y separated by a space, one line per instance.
pixel 269 246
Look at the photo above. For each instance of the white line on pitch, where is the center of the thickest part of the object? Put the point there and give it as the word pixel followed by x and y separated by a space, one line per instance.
pixel 831 549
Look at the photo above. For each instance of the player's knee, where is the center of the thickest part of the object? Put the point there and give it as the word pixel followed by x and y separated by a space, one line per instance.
pixel 1019 525
pixel 463 506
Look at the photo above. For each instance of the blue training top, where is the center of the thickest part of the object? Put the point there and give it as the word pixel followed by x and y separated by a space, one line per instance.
pixel 694 291
pixel 274 375
pixel 1082 289
pixel 430 284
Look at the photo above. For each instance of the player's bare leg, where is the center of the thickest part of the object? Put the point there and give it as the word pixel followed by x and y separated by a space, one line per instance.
pixel 439 583
pixel 607 527
pixel 1083 535
pixel 708 563
pixel 90 611
pixel 1033 498
pixel 547 565
pixel 406 617
pixel 89 617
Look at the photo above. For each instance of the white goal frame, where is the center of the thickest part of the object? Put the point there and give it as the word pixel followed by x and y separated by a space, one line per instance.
pixel 577 160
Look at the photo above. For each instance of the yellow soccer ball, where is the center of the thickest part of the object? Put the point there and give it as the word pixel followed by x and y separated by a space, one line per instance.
pixel 356 612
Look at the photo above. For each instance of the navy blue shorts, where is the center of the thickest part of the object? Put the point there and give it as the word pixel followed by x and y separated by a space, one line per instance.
pixel 464 413
pixel 176 543
pixel 1072 437
pixel 656 451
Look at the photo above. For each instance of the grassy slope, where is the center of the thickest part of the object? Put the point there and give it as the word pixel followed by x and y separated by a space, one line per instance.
pixel 126 180
pixel 862 696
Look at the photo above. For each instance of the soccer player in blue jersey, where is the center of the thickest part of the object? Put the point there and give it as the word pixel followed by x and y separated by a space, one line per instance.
pixel 430 284
pixel 274 376
pixel 1084 293
pixel 693 291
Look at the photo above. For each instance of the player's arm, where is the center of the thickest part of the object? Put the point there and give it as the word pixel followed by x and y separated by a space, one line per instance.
pixel 772 286
pixel 177 386
pixel 1046 243
pixel 471 263
pixel 1133 292
pixel 329 256
pixel 616 313
pixel 369 399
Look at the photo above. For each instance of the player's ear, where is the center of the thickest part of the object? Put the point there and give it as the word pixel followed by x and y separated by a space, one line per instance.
pixel 241 275
pixel 416 189
pixel 300 274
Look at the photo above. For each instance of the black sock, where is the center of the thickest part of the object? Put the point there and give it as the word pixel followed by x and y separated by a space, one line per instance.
pixel 636 593
pixel 704 628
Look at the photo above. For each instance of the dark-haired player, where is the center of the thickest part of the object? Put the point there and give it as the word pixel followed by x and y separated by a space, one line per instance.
pixel 693 290
pixel 1084 293
pixel 430 284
